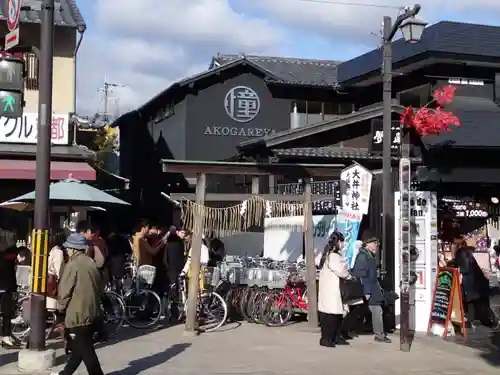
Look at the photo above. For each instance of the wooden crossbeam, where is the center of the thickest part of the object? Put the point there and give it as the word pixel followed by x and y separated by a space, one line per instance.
pixel 222 197
pixel 191 168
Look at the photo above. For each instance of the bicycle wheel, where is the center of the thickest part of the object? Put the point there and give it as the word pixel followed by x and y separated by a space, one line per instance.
pixel 243 305
pixel 276 310
pixel 20 326
pixel 212 312
pixel 20 323
pixel 143 308
pixel 254 306
pixel 113 309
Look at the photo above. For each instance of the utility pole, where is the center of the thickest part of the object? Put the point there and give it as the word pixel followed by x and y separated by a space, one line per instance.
pixel 37 358
pixel 107 89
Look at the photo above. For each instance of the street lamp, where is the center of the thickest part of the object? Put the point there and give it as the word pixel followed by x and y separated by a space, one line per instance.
pixel 412 30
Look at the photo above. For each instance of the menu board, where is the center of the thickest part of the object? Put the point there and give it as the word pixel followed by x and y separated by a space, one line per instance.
pixel 442 296
pixel 447 301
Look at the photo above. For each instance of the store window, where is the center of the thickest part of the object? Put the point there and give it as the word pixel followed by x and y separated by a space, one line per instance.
pixel 312 112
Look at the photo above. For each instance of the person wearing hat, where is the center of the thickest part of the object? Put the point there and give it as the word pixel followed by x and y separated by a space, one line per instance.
pixel 79 295
pixel 365 269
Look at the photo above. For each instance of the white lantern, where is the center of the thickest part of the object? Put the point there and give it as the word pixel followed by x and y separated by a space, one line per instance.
pixel 412 29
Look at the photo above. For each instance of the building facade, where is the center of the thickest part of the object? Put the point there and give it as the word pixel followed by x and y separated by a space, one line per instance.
pixel 18 136
pixel 324 112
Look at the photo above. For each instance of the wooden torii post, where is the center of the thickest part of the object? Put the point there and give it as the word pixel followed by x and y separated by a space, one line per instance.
pixel 200 170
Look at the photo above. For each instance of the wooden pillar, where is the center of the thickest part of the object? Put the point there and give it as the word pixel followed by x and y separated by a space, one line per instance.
pixel 194 269
pixel 312 290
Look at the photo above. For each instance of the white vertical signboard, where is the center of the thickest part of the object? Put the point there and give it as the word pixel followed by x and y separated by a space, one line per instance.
pixel 356 184
pixel 423 256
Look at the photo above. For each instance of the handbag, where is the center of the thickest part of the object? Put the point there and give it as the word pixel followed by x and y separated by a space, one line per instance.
pixel 351 289
pixel 52 283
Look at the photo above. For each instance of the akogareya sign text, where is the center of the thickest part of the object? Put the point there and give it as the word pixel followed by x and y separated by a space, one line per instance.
pixel 242 104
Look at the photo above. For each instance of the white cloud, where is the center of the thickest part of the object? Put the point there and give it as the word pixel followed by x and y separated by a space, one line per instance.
pixel 173 39
pixel 338 21
pixel 146 45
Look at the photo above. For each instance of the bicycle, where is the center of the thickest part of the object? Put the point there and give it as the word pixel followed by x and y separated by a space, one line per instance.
pixel 140 303
pixel 278 307
pixel 210 307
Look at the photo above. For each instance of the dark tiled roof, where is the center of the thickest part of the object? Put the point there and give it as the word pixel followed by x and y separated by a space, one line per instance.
pixel 333 152
pixel 286 136
pixel 480 124
pixel 445 37
pixel 290 71
pixel 66 13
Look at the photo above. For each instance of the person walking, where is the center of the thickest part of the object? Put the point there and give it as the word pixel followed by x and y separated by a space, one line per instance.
pixel 330 305
pixel 79 295
pixel 56 261
pixel 8 287
pixel 365 269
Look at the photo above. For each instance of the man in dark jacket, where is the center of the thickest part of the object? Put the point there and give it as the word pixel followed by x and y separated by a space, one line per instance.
pixel 365 269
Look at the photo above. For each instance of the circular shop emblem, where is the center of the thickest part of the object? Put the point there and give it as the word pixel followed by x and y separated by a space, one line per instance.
pixel 242 104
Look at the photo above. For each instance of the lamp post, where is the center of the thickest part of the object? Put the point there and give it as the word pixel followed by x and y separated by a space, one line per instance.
pixel 412 30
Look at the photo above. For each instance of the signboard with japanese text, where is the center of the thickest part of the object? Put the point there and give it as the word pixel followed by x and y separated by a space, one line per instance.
pixel 377 143
pixel 422 254
pixel 356 183
pixel 24 129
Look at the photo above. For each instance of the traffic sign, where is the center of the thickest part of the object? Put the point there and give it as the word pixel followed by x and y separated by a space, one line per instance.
pixel 11 104
pixel 13 14
pixel 12 39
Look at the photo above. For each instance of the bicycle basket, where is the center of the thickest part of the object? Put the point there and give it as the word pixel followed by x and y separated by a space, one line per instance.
pixel 146 274
pixel 211 276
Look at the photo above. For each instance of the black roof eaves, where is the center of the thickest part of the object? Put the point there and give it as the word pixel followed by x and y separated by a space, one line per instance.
pixel 271 141
pixel 197 77
pixel 224 67
pixel 302 83
pixel 396 64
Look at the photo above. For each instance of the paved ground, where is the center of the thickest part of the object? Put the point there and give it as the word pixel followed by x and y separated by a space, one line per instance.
pixel 251 349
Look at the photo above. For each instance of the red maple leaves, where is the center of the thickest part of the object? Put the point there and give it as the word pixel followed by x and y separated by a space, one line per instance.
pixel 433 121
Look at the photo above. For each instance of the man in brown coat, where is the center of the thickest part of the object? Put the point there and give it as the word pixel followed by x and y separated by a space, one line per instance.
pixel 79 292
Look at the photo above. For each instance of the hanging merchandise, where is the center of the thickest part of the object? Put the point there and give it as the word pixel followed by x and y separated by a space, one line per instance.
pixel 238 218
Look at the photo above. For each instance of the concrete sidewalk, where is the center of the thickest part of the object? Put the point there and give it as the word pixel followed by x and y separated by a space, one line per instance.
pixel 253 349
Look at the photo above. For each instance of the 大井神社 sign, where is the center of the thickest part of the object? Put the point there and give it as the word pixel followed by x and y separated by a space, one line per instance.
pixel 24 129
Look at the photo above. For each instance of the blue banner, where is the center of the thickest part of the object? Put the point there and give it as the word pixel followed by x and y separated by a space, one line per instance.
pixel 348 224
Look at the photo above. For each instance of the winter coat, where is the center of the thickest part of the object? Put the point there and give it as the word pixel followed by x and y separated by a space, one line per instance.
pixel 79 291
pixel 329 298
pixel 365 269
pixel 55 266
pixel 474 284
pixel 8 258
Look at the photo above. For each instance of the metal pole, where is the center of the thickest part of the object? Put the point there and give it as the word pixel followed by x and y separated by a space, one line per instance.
pixel 41 223
pixel 312 290
pixel 387 193
pixel 194 269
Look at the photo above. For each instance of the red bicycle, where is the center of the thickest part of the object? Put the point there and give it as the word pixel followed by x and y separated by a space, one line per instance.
pixel 278 307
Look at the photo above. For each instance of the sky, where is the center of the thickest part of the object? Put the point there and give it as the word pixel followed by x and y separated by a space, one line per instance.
pixel 144 46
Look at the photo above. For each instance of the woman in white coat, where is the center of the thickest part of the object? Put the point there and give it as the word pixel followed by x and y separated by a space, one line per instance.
pixel 330 306
pixel 55 267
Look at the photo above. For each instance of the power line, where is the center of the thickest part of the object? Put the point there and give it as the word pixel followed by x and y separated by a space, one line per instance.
pixel 352 4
